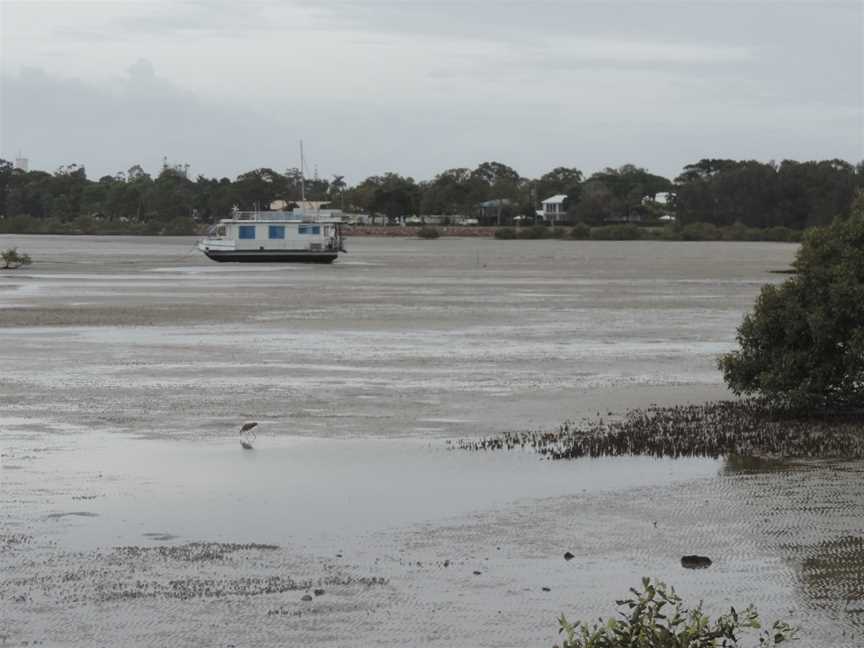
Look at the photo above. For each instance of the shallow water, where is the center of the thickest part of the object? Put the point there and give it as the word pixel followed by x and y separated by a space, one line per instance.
pixel 305 490
pixel 129 364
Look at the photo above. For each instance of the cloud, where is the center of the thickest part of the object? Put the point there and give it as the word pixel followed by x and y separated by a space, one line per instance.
pixel 420 86
pixel 136 119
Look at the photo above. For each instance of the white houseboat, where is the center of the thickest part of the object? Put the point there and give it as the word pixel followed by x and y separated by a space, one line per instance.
pixel 274 236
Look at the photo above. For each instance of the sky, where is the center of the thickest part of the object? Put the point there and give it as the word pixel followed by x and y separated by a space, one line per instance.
pixel 420 86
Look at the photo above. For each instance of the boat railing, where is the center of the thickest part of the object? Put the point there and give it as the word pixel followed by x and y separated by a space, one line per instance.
pixel 306 217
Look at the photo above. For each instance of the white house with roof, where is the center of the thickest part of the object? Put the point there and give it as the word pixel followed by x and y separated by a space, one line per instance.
pixel 553 209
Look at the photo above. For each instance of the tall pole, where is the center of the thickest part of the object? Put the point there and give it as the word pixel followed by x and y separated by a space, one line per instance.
pixel 302 177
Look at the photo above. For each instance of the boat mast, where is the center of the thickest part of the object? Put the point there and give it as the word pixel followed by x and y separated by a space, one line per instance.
pixel 302 178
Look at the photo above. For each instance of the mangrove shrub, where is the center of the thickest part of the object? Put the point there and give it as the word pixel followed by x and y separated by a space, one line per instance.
pixel 655 617
pixel 13 259
pixel 802 347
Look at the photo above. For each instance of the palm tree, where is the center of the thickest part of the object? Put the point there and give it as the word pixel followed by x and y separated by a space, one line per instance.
pixel 339 185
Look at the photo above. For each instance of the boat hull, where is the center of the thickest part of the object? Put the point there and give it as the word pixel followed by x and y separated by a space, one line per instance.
pixel 270 256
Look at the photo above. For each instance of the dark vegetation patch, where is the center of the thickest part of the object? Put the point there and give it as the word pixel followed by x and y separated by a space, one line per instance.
pixel 57 516
pixel 651 232
pixel 191 587
pixel 744 428
pixel 192 551
pixel 10 540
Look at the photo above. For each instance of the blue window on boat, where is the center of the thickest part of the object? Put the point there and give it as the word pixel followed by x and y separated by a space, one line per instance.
pixel 310 229
pixel 247 232
pixel 277 232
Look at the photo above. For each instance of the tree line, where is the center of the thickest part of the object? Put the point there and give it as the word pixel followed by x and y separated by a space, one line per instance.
pixel 719 192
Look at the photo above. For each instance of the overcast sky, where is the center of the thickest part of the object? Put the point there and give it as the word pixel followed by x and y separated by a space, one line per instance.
pixel 421 86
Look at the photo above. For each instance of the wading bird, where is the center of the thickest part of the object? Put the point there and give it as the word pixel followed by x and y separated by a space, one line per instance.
pixel 247 436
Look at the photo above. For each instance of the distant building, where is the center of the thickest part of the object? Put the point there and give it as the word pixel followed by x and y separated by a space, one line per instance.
pixel 553 209
pixel 661 198
pixel 493 211
pixel 22 164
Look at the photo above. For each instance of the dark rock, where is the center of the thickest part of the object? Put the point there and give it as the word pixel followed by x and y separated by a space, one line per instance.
pixel 319 592
pixel 695 562
pixel 568 556
pixel 546 589
pixel 446 563
pixel 477 573
pixel 306 597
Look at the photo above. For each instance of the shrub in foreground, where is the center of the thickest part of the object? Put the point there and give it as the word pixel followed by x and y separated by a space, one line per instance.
pixel 505 233
pixel 802 347
pixel 13 259
pixel 655 617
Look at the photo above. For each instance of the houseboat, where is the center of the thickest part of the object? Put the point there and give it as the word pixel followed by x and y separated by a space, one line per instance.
pixel 274 236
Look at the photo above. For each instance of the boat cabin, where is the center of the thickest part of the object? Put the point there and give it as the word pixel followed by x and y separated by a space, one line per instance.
pixel 274 236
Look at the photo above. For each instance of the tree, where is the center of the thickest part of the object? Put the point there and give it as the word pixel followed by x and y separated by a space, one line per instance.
pixel 395 196
pixel 450 192
pixel 560 180
pixel 337 188
pixel 656 618
pixel 802 347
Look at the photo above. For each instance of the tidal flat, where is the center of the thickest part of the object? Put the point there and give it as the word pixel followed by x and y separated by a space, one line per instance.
pixel 131 516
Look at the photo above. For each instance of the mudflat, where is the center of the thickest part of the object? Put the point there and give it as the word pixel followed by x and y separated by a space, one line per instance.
pixel 132 515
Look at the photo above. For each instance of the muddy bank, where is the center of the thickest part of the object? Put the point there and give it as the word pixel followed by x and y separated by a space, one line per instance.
pixel 131 516
pixel 787 540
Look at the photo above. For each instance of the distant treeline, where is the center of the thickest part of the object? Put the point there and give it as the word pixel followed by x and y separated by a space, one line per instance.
pixel 721 193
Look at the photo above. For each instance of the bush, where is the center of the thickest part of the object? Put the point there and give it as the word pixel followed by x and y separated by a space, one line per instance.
pixel 580 232
pixel 533 232
pixel 558 233
pixel 700 232
pixel 19 225
pixel 802 347
pixel 428 232
pixel 13 259
pixel 505 233
pixel 624 232
pixel 180 227
pixel 782 234
pixel 656 618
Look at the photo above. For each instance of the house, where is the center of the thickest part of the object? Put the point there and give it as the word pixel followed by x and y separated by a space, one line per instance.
pixel 554 210
pixel 661 198
pixel 494 212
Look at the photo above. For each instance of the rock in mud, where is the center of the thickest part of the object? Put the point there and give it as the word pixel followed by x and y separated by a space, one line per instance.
pixel 318 592
pixel 568 556
pixel 306 597
pixel 695 562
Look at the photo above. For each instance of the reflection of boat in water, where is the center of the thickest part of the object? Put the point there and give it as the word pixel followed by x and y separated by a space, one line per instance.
pixel 274 236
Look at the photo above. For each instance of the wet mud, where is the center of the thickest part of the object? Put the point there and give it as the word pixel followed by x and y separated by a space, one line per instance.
pixel 129 365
